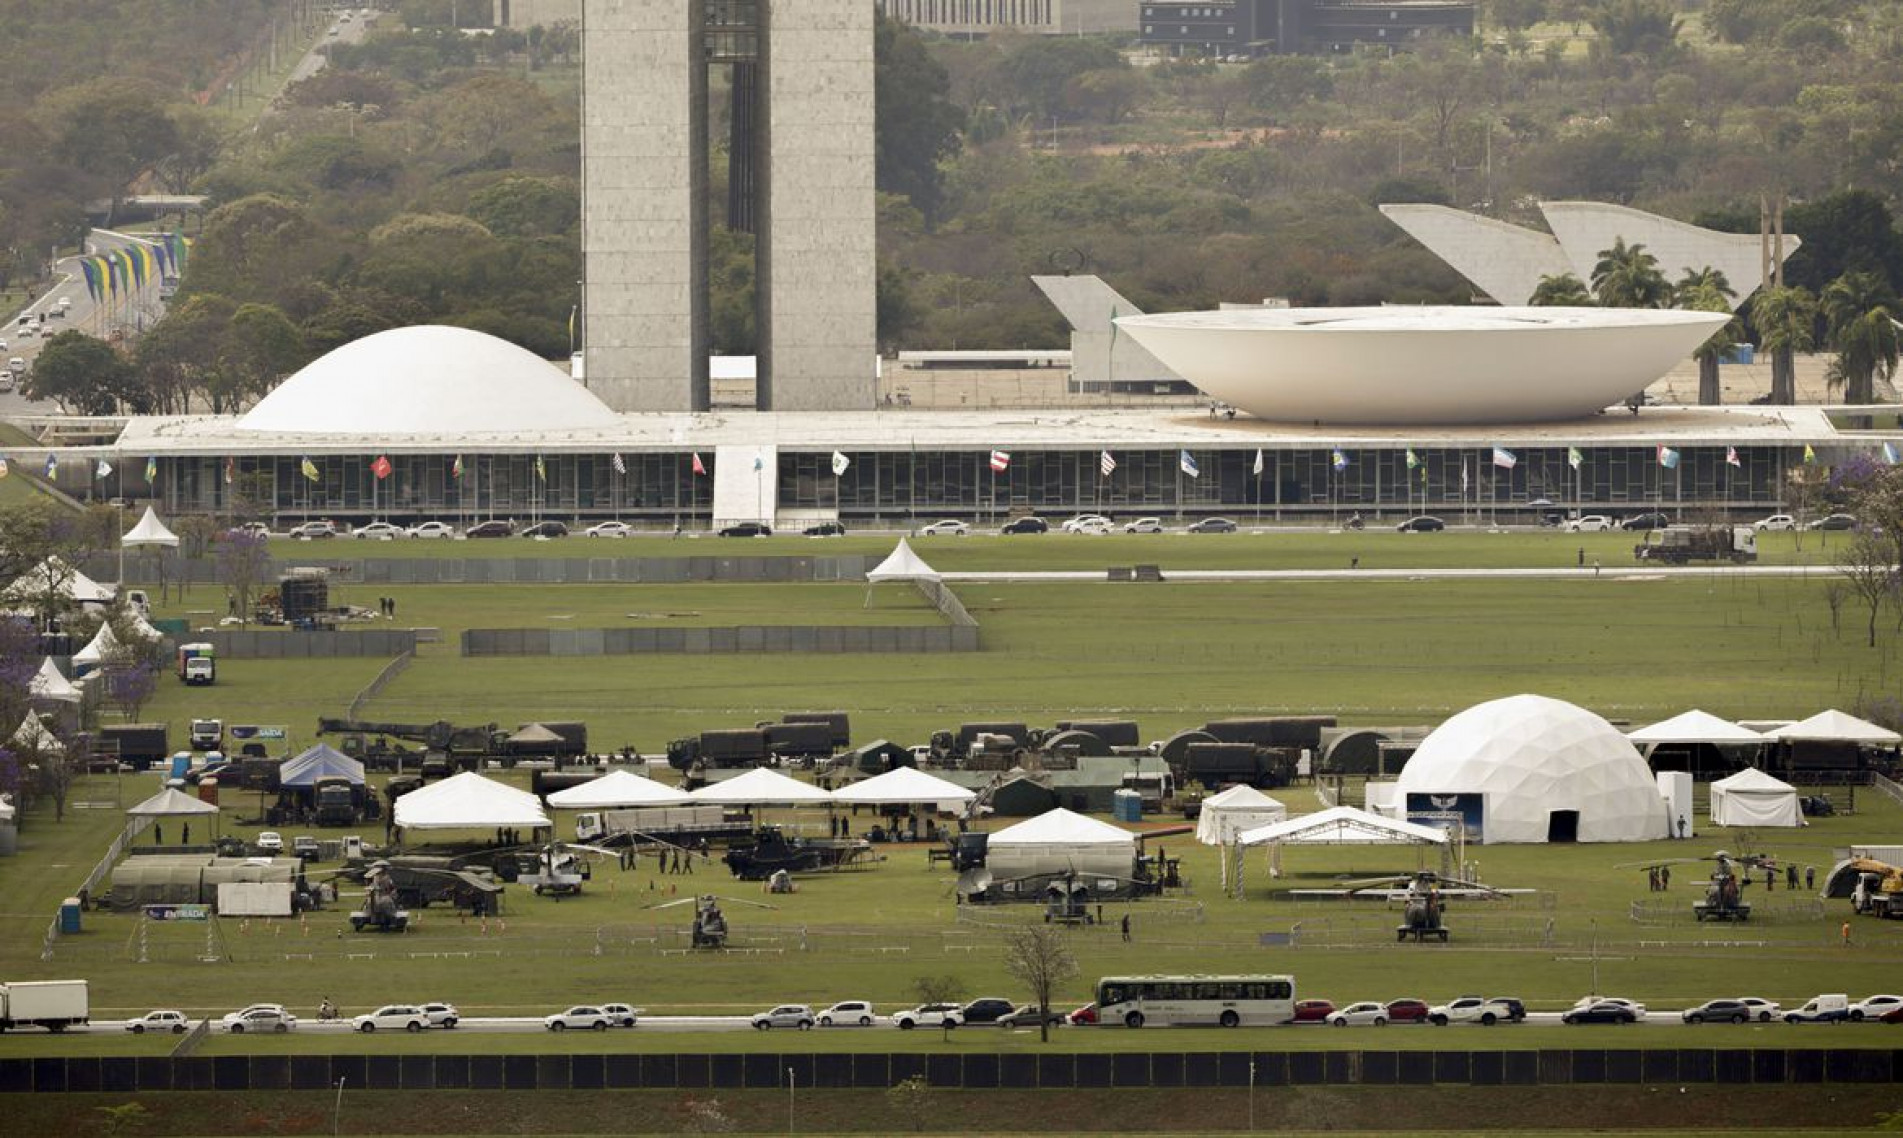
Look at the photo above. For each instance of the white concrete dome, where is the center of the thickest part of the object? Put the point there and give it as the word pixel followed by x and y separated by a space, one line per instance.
pixel 428 379
pixel 1413 365
pixel 1529 756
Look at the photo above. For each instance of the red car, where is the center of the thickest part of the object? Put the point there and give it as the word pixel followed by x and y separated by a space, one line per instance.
pixel 1313 1011
pixel 1085 1016
pixel 1894 1015
pixel 1407 1011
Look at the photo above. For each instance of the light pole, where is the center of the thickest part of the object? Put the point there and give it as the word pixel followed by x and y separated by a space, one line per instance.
pixel 789 1100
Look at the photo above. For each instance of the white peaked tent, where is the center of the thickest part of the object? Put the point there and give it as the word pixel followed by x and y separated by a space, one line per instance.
pixel 104 646
pixel 1539 769
pixel 1753 798
pixel 171 803
pixel 150 531
pixel 618 789
pixel 1059 841
pixel 1343 825
pixel 761 787
pixel 904 786
pixel 1694 727
pixel 33 736
pixel 468 800
pixel 1239 808
pixel 54 573
pixel 1835 727
pixel 48 684
pixel 901 565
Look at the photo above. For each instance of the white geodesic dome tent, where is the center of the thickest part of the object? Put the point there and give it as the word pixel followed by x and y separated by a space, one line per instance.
pixel 1532 769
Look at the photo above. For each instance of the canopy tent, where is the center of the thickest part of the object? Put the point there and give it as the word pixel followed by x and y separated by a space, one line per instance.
pixel 1061 827
pixel 618 789
pixel 33 736
pixel 103 647
pixel 468 800
pixel 150 531
pixel 535 733
pixel 1835 727
pixel 1234 810
pixel 138 626
pixel 761 787
pixel 901 565
pixel 1343 825
pixel 48 684
pixel 904 786
pixel 171 803
pixel 55 575
pixel 1059 849
pixel 1694 727
pixel 1753 798
pixel 320 761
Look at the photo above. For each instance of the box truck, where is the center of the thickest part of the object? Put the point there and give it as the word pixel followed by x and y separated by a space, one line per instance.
pixel 52 1004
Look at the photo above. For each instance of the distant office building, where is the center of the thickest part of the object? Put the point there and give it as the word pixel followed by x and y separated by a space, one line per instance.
pixel 529 13
pixel 1270 27
pixel 977 18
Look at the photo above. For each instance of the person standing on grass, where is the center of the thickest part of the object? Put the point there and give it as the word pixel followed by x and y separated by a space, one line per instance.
pixel 1810 877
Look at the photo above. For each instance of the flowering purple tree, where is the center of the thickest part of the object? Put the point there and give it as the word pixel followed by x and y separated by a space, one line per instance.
pixel 130 686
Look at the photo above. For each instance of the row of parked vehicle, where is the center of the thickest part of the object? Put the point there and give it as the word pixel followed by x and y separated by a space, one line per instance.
pixel 1490 1010
pixel 1083 523
pixel 1776 523
pixel 989 1010
pixel 497 527
pixel 259 1019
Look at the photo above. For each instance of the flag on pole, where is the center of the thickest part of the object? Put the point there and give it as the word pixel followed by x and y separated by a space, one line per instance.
pixel 541 469
pixel 1338 459
pixel 309 469
pixel 455 468
pixel 840 464
pixel 3 466
pixel 231 471
pixel 151 469
pixel 700 467
pixel 1258 462
pixel 102 469
pixel 758 462
pixel 1574 458
pixel 1505 459
pixel 1187 463
pixel 1889 453
pixel 1810 455
pixel 1106 463
pixel 1668 458
pixel 1000 461
pixel 1732 459
pixel 381 467
pixel 1413 462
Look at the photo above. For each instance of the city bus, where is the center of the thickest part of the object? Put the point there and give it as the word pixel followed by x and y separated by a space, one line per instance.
pixel 1222 1001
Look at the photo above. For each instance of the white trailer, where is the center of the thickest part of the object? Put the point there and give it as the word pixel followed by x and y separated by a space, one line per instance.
pixel 52 1004
pixel 638 824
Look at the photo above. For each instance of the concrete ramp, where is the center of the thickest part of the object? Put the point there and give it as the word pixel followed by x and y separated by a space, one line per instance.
pixel 1099 353
pixel 746 484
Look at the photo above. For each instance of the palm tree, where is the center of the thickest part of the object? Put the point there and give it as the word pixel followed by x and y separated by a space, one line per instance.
pixel 1561 290
pixel 1695 279
pixel 1785 318
pixel 1857 309
pixel 1627 276
pixel 1706 296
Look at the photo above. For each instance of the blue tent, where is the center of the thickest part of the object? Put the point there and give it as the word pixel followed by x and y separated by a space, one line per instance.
pixel 320 761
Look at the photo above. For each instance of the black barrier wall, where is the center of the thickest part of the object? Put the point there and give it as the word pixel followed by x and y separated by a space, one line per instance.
pixel 1027 1071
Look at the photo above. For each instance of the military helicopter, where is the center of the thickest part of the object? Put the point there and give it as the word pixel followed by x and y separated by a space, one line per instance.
pixel 1422 899
pixel 710 924
pixel 773 850
pixel 381 911
pixel 1724 893
pixel 556 868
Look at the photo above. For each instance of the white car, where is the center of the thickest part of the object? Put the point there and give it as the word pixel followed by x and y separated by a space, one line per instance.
pixel 259 1019
pixel 582 1017
pixel 847 1013
pixel 173 1021
pixel 1367 1012
pixel 930 1015
pixel 392 1017
pixel 1634 1006
pixel 439 531
pixel 271 842
pixel 1874 1006
pixel 946 528
pixel 1470 1009
pixel 610 529
pixel 1144 525
pixel 1776 523
pixel 786 1015
pixel 380 531
pixel 1088 523
pixel 1590 523
pixel 621 1015
pixel 1762 1010
pixel 441 1014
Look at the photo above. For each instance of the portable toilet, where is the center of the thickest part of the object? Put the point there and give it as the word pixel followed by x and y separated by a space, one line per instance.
pixel 181 765
pixel 69 916
pixel 1126 804
pixel 208 790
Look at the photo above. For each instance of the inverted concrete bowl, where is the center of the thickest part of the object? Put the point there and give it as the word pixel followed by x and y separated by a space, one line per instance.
pixel 1422 365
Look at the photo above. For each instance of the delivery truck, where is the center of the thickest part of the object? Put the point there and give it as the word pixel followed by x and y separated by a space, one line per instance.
pixel 52 1004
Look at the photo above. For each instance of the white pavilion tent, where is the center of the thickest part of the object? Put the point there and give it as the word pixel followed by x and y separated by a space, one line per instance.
pixel 150 531
pixel 1836 727
pixel 1237 809
pixel 904 786
pixel 48 684
pixel 762 787
pixel 172 802
pixel 902 564
pixel 1337 825
pixel 103 647
pixel 1753 798
pixel 618 790
pixel 1694 727
pixel 53 574
pixel 468 801
pixel 1059 841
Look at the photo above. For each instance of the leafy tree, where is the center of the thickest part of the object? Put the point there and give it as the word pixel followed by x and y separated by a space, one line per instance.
pixel 916 126
pixel 1627 276
pixel 1039 957
pixel 130 686
pixel 1035 72
pixel 1785 320
pixel 528 207
pixel 1562 290
pixel 1278 84
pixel 1646 28
pixel 85 375
pixel 265 348
pixel 1844 232
pixel 1106 94
pixel 1706 291
pixel 899 311
pixel 244 560
pixel 1857 310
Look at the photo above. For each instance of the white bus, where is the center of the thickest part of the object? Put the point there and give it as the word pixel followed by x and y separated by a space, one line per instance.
pixel 1223 1001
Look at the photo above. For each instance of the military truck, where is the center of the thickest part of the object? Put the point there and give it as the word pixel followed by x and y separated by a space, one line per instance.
pixel 725 748
pixel 1677 545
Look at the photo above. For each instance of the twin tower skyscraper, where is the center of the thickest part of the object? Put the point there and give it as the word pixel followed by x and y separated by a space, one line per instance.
pixel 800 178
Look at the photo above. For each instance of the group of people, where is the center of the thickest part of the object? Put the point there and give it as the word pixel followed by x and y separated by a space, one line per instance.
pixel 387 606
pixel 1661 876
pixel 673 859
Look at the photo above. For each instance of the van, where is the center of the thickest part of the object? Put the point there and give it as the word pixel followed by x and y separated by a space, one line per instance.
pixel 1822 1009
pixel 17 365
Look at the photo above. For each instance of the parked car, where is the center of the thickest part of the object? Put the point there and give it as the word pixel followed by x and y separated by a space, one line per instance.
pixel 1211 525
pixel 1645 522
pixel 1423 524
pixel 310 531
pixel 621 1015
pixel 304 847
pixel 547 529
pixel 1821 1009
pixel 495 527
pixel 392 1017
pixel 586 1017
pixel 256 529
pixel 380 531
pixel 1366 1012
pixel 1087 523
pixel 1600 1011
pixel 986 1010
pixel 1894 1015
pixel 270 842
pixel 170 1020
pixel 1029 1015
pixel 441 1014
pixel 786 1015
pixel 747 529
pixel 1637 1008
pixel 1762 1010
pixel 1776 523
pixel 1588 523
pixel 1717 1011
pixel 946 528
pixel 1834 521
pixel 1313 1011
pixel 929 1015
pixel 847 1013
pixel 259 1020
pixel 609 529
pixel 824 529
pixel 1144 525
pixel 1025 525
pixel 1407 1011
pixel 1476 1009
pixel 1085 1016
pixel 1872 1007
pixel 434 531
